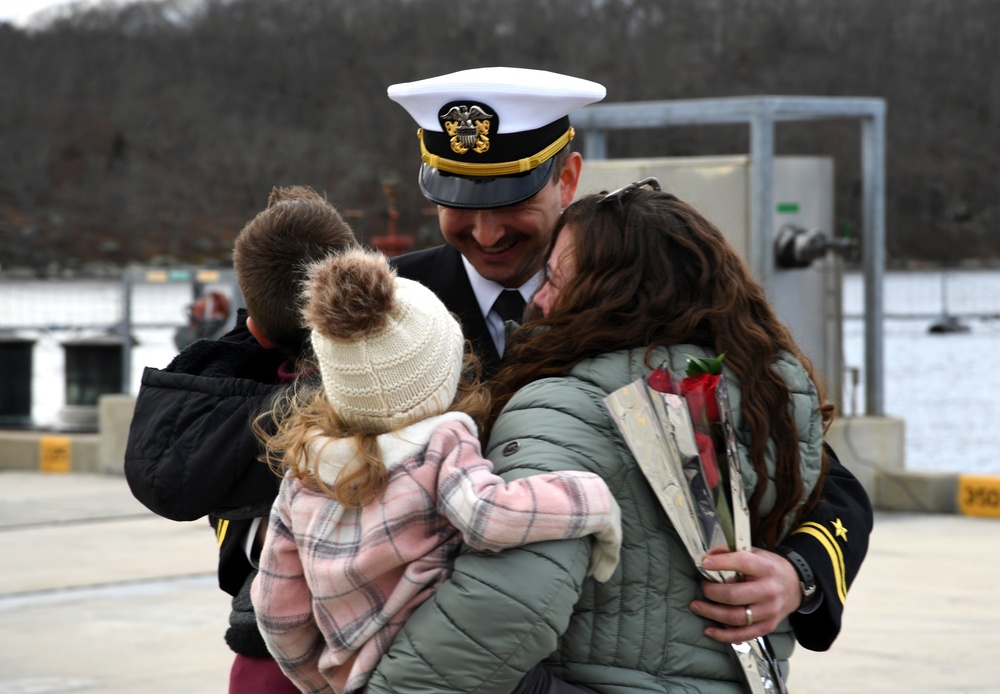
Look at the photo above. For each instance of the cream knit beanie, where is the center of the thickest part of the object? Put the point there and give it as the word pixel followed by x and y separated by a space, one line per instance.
pixel 389 351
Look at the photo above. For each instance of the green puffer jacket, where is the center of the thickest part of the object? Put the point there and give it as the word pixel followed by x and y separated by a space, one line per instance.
pixel 500 614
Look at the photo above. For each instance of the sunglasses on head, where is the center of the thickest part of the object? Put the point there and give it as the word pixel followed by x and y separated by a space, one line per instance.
pixel 617 195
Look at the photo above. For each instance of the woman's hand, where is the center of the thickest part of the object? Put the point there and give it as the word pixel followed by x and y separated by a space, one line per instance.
pixel 753 607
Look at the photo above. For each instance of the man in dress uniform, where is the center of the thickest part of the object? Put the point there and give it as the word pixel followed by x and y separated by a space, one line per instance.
pixel 497 162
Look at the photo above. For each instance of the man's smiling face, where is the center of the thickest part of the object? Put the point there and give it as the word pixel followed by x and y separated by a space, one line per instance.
pixel 509 244
pixel 505 244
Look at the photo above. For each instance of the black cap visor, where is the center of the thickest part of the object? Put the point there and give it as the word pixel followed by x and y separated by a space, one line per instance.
pixel 481 193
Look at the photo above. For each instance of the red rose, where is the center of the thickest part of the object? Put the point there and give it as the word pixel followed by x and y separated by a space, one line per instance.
pixel 661 381
pixel 699 391
pixel 709 463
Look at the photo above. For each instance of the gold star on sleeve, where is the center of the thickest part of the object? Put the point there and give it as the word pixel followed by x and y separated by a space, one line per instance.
pixel 839 530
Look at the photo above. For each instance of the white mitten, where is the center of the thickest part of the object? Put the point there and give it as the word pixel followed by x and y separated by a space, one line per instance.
pixel 607 545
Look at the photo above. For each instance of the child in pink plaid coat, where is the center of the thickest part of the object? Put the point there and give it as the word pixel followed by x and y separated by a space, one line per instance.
pixel 383 478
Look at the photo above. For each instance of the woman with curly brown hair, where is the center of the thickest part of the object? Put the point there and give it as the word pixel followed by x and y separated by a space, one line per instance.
pixel 636 279
pixel 669 278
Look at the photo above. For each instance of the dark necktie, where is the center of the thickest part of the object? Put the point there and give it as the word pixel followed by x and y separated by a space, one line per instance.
pixel 510 306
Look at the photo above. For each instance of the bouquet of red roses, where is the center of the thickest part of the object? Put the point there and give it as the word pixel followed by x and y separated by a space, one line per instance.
pixel 681 432
pixel 700 391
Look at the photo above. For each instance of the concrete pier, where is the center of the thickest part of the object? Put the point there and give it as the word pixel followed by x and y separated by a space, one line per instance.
pixel 98 595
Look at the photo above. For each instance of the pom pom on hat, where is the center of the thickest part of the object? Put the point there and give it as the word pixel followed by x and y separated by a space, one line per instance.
pixel 388 350
pixel 349 296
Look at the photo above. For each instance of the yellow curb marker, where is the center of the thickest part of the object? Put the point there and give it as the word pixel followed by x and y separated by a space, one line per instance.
pixel 54 454
pixel 979 495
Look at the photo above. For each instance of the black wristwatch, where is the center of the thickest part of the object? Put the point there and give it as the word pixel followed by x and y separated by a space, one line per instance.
pixel 811 596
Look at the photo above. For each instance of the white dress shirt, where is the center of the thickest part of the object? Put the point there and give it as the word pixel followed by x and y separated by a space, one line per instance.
pixel 487 291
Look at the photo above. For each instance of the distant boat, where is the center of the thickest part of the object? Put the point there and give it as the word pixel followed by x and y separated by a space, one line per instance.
pixel 947 323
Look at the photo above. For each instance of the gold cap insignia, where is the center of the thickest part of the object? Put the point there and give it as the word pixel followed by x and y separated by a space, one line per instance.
pixel 469 128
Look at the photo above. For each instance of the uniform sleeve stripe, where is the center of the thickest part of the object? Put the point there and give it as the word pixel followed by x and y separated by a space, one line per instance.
pixel 828 542
pixel 220 530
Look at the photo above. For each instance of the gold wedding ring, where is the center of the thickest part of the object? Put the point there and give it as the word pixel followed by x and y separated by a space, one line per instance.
pixel 749 615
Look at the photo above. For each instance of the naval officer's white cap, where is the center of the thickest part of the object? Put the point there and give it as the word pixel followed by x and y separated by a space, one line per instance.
pixel 489 136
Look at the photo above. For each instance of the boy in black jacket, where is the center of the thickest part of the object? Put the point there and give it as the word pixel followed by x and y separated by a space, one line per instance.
pixel 191 451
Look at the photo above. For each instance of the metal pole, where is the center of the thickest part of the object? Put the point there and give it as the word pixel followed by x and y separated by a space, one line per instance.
pixel 762 196
pixel 595 145
pixel 126 332
pixel 873 248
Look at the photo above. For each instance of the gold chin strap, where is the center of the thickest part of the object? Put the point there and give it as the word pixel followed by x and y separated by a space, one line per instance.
pixel 497 169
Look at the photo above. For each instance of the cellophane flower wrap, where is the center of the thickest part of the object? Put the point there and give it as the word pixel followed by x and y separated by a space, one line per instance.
pixel 681 432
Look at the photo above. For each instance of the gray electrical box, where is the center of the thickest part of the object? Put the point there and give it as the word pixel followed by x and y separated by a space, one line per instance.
pixel 806 297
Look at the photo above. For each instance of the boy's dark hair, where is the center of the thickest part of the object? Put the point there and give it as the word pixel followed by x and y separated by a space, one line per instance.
pixel 270 255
